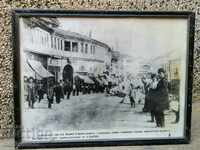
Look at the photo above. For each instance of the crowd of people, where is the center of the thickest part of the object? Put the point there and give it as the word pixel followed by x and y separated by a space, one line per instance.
pixel 70 85
pixel 155 92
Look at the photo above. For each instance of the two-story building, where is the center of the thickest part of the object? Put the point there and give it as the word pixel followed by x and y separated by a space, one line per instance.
pixel 44 44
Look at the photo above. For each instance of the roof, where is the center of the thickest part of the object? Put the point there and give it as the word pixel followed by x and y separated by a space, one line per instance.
pixel 67 34
pixel 45 23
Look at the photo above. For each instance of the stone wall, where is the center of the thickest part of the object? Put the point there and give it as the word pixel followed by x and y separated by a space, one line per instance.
pixel 6 51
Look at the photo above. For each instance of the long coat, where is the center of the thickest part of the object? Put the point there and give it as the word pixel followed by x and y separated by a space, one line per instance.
pixel 58 90
pixel 77 82
pixel 50 92
pixel 146 92
pixel 162 98
pixel 31 92
pixel 151 99
pixel 68 76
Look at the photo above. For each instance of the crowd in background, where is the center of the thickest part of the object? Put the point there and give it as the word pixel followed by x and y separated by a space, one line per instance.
pixel 153 90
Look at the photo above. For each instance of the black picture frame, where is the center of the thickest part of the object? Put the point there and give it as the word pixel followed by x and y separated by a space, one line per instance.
pixel 18 13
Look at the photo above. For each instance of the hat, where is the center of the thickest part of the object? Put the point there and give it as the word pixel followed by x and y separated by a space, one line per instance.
pixel 153 75
pixel 161 70
pixel 30 78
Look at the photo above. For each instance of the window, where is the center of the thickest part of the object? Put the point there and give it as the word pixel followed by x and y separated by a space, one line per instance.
pixel 67 46
pixel 61 46
pixel 82 47
pixel 91 49
pixel 54 43
pixel 51 41
pixel 86 48
pixel 42 38
pixel 58 43
pixel 46 40
pixel 74 47
pixel 94 49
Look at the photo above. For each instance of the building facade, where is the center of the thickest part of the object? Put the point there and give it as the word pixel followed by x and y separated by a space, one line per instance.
pixel 53 46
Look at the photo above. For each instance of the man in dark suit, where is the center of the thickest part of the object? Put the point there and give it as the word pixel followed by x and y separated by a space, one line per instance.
pixel 152 95
pixel 50 92
pixel 162 99
pixel 77 83
pixel 58 92
pixel 68 78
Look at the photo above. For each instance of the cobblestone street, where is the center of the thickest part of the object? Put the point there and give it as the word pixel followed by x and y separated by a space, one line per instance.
pixel 88 112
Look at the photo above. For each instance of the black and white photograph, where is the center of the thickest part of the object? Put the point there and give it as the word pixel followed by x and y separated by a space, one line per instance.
pixel 102 78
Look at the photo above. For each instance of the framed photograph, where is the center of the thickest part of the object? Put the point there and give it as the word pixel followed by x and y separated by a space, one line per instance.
pixel 102 78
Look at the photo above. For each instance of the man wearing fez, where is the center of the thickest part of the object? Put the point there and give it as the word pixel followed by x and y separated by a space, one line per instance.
pixel 68 78
pixel 162 99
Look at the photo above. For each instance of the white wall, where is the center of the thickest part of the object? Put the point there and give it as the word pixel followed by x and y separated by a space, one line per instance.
pixel 40 41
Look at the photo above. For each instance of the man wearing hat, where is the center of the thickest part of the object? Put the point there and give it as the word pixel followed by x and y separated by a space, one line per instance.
pixel 162 99
pixel 68 78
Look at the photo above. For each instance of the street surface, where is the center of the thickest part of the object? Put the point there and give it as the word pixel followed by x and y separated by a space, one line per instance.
pixel 88 112
pixel 8 144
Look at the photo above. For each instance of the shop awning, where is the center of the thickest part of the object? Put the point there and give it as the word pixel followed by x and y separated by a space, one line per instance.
pixel 85 78
pixel 39 69
pixel 29 72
